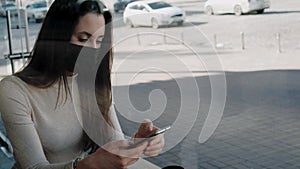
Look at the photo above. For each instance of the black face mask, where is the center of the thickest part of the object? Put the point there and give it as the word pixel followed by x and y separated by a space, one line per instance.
pixel 87 55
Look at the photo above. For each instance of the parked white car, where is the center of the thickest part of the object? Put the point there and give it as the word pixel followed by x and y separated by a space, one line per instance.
pixel 8 7
pixel 153 13
pixel 37 10
pixel 238 7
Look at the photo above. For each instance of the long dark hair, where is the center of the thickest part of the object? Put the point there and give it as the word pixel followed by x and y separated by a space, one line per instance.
pixel 47 66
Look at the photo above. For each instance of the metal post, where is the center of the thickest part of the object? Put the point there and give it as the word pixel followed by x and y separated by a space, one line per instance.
pixel 138 38
pixel 243 40
pixel 8 22
pixel 12 65
pixel 20 27
pixel 279 42
pixel 182 38
pixel 26 30
pixel 215 40
pixel 165 38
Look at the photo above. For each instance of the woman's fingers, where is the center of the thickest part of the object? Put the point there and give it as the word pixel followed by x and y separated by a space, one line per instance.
pixel 145 128
pixel 130 156
pixel 155 146
pixel 154 149
pixel 152 153
pixel 156 140
pixel 114 155
pixel 119 156
pixel 134 152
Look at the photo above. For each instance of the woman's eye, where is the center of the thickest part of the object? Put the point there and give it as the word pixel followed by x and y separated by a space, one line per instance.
pixel 99 41
pixel 83 40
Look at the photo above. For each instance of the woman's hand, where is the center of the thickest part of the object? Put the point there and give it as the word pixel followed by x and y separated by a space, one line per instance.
pixel 113 155
pixel 155 144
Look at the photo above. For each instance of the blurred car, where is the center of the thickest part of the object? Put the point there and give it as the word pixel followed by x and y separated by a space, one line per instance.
pixel 120 5
pixel 8 6
pixel 37 11
pixel 238 7
pixel 153 13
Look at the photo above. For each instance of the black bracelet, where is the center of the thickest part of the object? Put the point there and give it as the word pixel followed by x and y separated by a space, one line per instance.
pixel 74 163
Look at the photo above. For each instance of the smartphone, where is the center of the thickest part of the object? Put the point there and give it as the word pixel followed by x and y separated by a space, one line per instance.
pixel 153 134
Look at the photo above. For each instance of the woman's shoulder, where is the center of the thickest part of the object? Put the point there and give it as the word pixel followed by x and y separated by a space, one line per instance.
pixel 14 98
pixel 11 84
pixel 11 80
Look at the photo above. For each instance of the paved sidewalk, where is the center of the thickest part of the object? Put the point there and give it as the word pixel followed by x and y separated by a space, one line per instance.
pixel 259 128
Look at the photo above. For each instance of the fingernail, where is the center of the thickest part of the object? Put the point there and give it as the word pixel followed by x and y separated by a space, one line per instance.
pixel 146 121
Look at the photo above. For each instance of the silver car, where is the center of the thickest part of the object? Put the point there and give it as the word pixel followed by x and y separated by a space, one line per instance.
pixel 8 6
pixel 238 7
pixel 153 13
pixel 37 11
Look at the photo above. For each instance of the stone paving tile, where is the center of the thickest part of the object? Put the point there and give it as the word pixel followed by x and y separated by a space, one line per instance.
pixel 207 165
pixel 277 167
pixel 238 166
pixel 217 163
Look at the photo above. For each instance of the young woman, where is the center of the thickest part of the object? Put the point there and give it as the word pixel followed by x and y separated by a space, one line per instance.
pixel 37 103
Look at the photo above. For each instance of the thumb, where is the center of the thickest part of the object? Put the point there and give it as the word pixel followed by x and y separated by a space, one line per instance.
pixel 145 128
pixel 147 125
